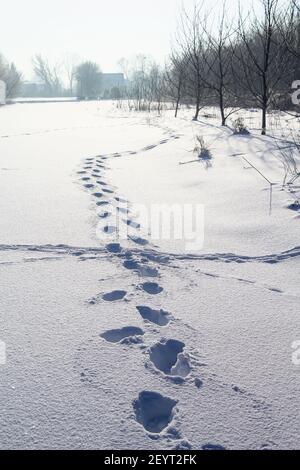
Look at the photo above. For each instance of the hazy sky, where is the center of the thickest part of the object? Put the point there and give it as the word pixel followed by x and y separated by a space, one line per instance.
pixel 98 30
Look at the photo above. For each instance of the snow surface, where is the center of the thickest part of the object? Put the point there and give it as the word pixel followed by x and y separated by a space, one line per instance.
pixel 145 345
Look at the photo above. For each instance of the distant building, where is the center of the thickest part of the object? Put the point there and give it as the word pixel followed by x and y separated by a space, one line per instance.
pixel 112 82
pixel 2 92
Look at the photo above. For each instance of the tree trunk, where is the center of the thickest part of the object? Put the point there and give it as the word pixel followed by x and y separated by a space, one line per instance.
pixel 177 106
pixel 264 121
pixel 264 105
pixel 222 113
pixel 197 112
pixel 198 107
pixel 222 107
pixel 178 101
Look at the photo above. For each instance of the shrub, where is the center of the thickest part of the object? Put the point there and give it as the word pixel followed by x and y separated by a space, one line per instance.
pixel 239 126
pixel 201 149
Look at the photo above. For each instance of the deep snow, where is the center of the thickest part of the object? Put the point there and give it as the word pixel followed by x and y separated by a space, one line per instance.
pixel 143 345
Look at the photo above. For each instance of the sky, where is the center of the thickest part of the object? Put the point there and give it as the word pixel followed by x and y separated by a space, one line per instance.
pixel 99 30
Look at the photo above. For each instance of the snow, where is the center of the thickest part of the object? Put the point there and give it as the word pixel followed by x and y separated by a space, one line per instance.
pixel 143 343
pixel 236 200
pixel 41 100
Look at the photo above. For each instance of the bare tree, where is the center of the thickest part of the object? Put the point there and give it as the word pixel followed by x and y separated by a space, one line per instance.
pixel 289 27
pixel 155 87
pixel 70 64
pixel 139 82
pixel 218 58
pixel 124 67
pixel 175 76
pixel 145 83
pixel 191 48
pixel 49 75
pixel 262 59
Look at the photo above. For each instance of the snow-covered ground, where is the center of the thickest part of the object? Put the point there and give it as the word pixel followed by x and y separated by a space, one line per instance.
pixel 146 344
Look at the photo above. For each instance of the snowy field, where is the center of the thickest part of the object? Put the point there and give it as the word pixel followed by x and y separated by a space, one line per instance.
pixel 146 344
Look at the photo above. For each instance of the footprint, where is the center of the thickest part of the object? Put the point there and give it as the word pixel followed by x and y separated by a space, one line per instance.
pixel 114 248
pixel 295 206
pixel 212 447
pixel 116 336
pixel 120 199
pixel 131 264
pixel 198 382
pixel 86 178
pixel 149 147
pixel 98 195
pixel 276 290
pixel 154 411
pixel 151 288
pixel 132 224
pixel 102 203
pixel 89 186
pixel 122 210
pixel 168 358
pixel 102 183
pixel 109 191
pixel 114 295
pixel 143 271
pixel 104 215
pixel 159 317
pixel 139 240
pixel 109 229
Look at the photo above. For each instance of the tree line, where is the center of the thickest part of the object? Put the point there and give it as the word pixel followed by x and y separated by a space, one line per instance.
pixel 249 61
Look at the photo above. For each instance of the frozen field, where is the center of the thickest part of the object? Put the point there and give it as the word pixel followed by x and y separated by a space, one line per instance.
pixel 144 345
